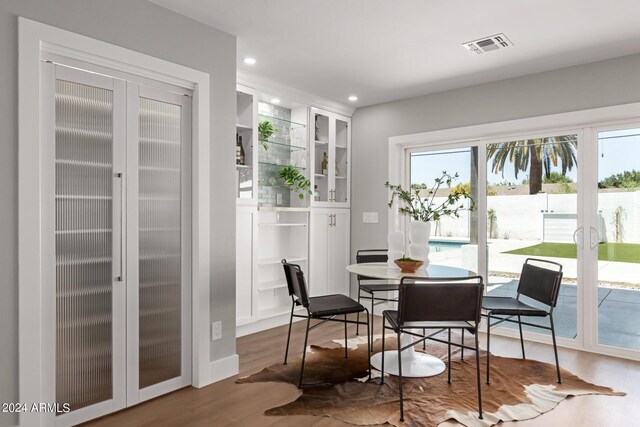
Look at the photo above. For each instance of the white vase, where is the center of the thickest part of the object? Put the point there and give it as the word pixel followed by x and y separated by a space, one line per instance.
pixel 419 241
pixel 395 243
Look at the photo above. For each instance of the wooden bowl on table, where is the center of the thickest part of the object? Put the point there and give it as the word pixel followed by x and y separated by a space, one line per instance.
pixel 408 265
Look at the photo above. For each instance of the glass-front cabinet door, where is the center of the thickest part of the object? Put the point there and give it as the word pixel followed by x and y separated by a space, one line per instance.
pixel 331 136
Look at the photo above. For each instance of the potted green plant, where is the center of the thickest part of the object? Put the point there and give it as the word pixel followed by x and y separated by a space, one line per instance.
pixel 265 130
pixel 422 205
pixel 295 181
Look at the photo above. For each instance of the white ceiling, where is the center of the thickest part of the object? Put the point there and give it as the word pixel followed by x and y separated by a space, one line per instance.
pixel 383 50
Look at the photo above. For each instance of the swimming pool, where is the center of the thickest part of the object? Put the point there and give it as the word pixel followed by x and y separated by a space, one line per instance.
pixel 444 245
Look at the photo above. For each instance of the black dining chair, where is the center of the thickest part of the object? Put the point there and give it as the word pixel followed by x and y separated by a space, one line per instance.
pixel 540 280
pixel 370 286
pixel 324 308
pixel 436 303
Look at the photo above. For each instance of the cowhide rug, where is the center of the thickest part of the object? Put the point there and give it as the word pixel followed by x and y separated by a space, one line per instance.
pixel 337 387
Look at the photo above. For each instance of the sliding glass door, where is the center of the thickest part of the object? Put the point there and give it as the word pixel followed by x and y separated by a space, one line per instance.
pixel 453 241
pixel 614 238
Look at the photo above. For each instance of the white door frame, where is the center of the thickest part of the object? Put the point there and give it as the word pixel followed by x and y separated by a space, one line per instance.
pixel 584 121
pixel 36 381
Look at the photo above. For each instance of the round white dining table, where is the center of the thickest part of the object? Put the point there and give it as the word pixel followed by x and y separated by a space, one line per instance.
pixel 414 364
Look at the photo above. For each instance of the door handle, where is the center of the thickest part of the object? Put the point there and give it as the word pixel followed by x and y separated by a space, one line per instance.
pixel 330 220
pixel 594 241
pixel 578 239
pixel 334 220
pixel 120 276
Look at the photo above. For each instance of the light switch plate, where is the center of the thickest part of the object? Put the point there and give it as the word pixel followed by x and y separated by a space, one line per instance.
pixel 216 331
pixel 370 217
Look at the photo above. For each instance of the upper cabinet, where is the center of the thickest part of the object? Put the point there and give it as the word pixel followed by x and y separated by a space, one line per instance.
pixel 330 158
pixel 282 156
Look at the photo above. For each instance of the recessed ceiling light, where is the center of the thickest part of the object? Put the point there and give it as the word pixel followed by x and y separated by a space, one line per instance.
pixel 275 100
pixel 249 61
pixel 353 98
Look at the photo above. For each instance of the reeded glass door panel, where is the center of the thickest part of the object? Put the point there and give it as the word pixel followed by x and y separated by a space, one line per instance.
pixel 453 240
pixel 532 211
pixel 159 206
pixel 618 238
pixel 83 240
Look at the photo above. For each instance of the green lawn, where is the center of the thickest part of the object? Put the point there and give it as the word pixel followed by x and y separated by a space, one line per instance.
pixel 620 252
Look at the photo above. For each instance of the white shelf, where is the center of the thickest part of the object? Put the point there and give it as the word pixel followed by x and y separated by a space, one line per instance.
pixel 344 147
pixel 274 261
pixel 320 175
pixel 282 209
pixel 270 286
pixel 321 142
pixel 243 127
pixel 243 166
pixel 340 177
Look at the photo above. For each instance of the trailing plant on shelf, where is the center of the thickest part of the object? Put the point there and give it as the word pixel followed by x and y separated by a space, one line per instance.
pixel 295 181
pixel 419 201
pixel 265 130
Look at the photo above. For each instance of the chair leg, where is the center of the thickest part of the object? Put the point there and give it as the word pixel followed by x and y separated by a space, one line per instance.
pixel 424 343
pixel 382 367
pixel 304 351
pixel 358 313
pixel 346 354
pixel 449 354
pixel 368 344
pixel 286 352
pixel 555 348
pixel 521 339
pixel 372 308
pixel 462 345
pixel 478 374
pixel 488 346
pixel 400 375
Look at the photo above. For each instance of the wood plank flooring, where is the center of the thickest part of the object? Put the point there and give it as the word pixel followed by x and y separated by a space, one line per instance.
pixel 228 404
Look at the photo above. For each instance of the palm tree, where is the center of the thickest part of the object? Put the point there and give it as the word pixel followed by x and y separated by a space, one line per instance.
pixel 535 155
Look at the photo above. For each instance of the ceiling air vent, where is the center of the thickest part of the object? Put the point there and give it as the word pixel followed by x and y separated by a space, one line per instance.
pixel 487 44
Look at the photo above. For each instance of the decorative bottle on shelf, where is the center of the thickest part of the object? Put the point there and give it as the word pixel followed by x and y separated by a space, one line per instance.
pixel 316 194
pixel 238 149
pixel 324 164
pixel 317 139
pixel 241 157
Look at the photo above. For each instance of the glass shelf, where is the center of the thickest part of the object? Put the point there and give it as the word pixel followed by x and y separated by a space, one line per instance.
pixel 292 147
pixel 273 166
pixel 283 122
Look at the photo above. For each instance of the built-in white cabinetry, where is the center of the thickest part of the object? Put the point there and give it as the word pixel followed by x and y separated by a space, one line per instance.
pixel 329 251
pixel 330 158
pixel 275 222
pixel 246 223
pixel 282 234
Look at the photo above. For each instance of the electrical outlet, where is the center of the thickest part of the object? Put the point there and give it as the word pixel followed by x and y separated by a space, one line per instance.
pixel 216 331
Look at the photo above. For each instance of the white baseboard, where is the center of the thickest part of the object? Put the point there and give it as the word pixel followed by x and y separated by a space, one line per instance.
pixel 224 368
pixel 264 324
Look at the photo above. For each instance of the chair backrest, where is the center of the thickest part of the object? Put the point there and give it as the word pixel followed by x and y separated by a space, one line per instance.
pixel 427 299
pixel 370 255
pixel 540 280
pixel 295 283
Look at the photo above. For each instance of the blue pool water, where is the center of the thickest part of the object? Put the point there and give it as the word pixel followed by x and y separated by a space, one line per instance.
pixel 444 245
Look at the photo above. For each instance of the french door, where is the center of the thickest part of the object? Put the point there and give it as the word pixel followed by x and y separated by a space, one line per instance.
pixel 119 241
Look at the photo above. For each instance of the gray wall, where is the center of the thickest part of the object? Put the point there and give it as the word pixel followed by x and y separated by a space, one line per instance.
pixel 599 84
pixel 147 28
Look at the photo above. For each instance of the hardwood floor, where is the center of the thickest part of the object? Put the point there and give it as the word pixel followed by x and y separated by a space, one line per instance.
pixel 228 404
